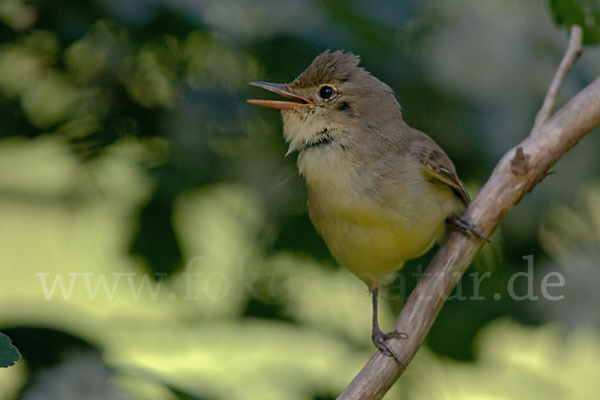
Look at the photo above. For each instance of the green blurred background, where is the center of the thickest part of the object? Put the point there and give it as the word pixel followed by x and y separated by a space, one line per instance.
pixel 133 173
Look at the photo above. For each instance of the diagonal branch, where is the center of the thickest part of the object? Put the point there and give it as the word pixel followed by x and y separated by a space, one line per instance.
pixel 517 173
pixel 573 52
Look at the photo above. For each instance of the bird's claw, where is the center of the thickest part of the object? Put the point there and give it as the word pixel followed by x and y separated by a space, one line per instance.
pixel 466 227
pixel 379 340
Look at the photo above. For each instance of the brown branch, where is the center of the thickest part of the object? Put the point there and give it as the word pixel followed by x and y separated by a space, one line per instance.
pixel 573 52
pixel 517 173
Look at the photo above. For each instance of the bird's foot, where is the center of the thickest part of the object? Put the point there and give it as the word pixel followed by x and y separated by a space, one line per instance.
pixel 461 225
pixel 379 340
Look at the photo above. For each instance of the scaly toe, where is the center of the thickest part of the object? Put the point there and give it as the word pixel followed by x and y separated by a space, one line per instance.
pixel 395 335
pixel 379 340
pixel 466 227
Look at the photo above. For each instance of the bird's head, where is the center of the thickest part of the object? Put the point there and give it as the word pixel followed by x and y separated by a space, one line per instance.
pixel 332 100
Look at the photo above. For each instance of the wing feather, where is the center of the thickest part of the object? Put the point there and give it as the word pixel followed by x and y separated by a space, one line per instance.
pixel 437 165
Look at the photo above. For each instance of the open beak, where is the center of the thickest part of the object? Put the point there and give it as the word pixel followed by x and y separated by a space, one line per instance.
pixel 282 89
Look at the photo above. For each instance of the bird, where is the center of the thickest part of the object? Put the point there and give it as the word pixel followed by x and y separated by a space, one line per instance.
pixel 378 191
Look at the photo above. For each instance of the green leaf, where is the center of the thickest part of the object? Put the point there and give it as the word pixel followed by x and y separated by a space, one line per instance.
pixel 8 353
pixel 585 13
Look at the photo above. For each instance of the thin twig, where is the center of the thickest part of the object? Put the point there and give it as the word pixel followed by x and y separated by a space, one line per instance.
pixel 517 173
pixel 573 52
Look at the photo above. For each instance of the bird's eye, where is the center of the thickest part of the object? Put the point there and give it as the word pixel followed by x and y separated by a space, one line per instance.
pixel 326 92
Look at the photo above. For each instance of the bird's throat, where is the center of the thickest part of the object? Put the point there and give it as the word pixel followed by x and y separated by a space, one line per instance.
pixel 322 138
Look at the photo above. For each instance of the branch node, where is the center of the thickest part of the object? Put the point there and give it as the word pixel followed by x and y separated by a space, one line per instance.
pixel 519 165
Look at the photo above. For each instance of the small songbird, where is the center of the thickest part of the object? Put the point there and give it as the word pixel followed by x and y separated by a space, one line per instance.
pixel 379 191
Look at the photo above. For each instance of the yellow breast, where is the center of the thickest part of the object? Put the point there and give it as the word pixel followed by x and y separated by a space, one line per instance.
pixel 368 237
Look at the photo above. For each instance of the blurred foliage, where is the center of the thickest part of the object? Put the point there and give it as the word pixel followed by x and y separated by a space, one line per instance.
pixel 132 168
pixel 8 353
pixel 514 362
pixel 571 235
pixel 568 231
pixel 585 13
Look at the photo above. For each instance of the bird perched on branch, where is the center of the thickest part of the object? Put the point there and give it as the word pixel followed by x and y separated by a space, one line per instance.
pixel 379 191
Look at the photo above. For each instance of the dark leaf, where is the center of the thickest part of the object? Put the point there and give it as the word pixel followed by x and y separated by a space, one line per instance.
pixel 8 353
pixel 585 13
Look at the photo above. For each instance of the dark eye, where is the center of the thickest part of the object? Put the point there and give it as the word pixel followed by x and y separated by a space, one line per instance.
pixel 326 92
